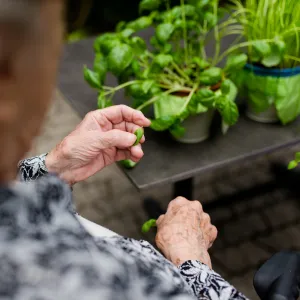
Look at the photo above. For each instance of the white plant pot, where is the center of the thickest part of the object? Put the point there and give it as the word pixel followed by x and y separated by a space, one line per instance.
pixel 268 116
pixel 197 128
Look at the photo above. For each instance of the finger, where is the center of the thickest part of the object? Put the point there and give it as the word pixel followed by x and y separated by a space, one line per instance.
pixel 205 219
pixel 129 127
pixel 122 155
pixel 177 202
pixel 160 219
pixel 197 206
pixel 116 138
pixel 137 152
pixel 119 113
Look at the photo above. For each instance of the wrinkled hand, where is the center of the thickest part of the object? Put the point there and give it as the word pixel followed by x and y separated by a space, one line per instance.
pixel 185 232
pixel 103 137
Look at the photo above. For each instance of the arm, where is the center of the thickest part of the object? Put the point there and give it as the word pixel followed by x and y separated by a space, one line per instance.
pixel 207 284
pixel 32 168
pixel 102 138
pixel 184 235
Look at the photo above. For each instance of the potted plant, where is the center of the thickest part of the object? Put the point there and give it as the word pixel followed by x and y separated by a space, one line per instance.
pixel 271 78
pixel 175 76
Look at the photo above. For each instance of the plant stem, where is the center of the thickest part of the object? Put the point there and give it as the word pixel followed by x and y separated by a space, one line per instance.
pixel 119 87
pixel 189 98
pixel 236 47
pixel 185 41
pixel 155 98
pixel 176 67
pixel 217 37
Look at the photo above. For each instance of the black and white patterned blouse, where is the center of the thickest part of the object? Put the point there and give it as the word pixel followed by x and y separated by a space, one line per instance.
pixel 45 253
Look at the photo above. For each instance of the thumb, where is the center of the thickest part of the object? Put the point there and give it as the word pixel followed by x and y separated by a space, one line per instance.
pixel 116 138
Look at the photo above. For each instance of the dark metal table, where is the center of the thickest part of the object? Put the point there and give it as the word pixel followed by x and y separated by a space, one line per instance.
pixel 165 160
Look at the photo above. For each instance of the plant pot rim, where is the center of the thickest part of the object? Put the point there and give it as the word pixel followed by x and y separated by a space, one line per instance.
pixel 263 71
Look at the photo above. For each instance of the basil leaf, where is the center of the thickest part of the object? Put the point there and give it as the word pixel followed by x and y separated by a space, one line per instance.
pixel 149 5
pixel 226 86
pixel 163 60
pixel 128 164
pixel 119 59
pixel 102 101
pixel 211 76
pixel 106 42
pixel 275 56
pixel 140 23
pixel 262 48
pixel 162 123
pixel 91 77
pixel 292 165
pixel 100 66
pixel 227 109
pixel 147 85
pixel 201 63
pixel 139 134
pixel 164 32
pixel 148 225
pixel 138 45
pixel 236 62
pixel 177 130
pixel 126 32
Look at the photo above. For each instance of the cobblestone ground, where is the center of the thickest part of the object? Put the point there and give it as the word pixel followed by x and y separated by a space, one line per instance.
pixel 245 238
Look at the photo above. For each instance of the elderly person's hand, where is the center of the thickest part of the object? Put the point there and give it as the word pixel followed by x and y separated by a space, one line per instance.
pixel 103 137
pixel 185 232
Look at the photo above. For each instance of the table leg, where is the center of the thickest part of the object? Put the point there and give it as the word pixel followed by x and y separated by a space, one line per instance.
pixel 182 188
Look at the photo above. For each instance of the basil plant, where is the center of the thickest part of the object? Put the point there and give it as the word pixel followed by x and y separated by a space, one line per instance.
pixel 174 74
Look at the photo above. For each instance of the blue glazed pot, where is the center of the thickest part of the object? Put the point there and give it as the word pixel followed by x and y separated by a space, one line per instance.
pixel 262 71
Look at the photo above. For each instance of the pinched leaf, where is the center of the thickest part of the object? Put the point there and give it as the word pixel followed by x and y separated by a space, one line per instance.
pixel 128 164
pixel 120 58
pixel 148 225
pixel 92 78
pixel 139 134
pixel 164 32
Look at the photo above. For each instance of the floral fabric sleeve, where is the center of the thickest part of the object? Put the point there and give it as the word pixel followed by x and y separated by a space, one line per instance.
pixel 32 168
pixel 206 283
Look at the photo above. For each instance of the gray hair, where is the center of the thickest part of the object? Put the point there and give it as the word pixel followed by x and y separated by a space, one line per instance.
pixel 20 13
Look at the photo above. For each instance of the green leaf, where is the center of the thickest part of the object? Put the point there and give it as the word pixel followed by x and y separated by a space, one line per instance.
pixel 100 66
pixel 163 60
pixel 126 32
pixel 225 86
pixel 149 5
pixel 140 23
pixel 292 165
pixel 276 55
pixel 128 164
pixel 236 62
pixel 120 26
pixel 91 77
pixel 177 130
pixel 211 19
pixel 211 76
pixel 206 97
pixel 106 42
pixel 119 59
pixel 136 68
pixel 228 110
pixel 262 48
pixel 162 123
pixel 201 63
pixel 148 225
pixel 164 32
pixel 297 157
pixel 138 45
pixel 147 85
pixel 139 134
pixel 102 101
pixel 188 10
